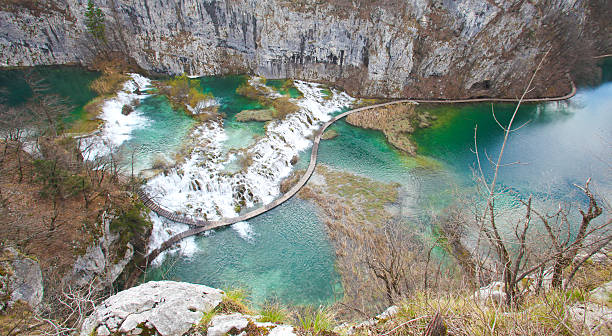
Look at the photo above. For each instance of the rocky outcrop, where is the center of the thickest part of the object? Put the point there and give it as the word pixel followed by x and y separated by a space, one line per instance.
pixel 166 308
pixel 427 48
pixel 240 324
pixel 20 279
pixel 103 261
pixel 597 318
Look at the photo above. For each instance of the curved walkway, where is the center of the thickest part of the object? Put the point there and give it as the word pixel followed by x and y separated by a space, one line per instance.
pixel 204 225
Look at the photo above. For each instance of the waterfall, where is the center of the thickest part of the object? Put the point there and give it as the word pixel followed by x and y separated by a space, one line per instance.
pixel 201 186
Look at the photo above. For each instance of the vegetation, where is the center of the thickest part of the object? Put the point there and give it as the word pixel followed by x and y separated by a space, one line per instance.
pixel 109 83
pixel 279 107
pixel 273 312
pixel 316 321
pixel 184 92
pixel 95 21
pixel 58 182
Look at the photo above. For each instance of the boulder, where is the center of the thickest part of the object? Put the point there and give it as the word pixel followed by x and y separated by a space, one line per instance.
pixel 493 292
pixel 167 308
pixel 20 279
pixel 597 318
pixel 100 265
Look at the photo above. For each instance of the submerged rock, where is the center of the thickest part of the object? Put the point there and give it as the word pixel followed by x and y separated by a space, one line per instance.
pixel 165 307
pixel 329 134
pixel 255 115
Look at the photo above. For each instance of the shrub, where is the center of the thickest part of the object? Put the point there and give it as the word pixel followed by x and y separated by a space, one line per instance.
pixel 316 320
pixel 109 83
pixel 57 182
pixel 273 312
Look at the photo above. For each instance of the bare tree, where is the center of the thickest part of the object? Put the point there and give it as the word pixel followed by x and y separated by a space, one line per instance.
pixel 516 255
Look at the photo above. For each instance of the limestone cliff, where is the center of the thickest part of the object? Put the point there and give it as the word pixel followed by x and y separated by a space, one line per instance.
pixel 420 48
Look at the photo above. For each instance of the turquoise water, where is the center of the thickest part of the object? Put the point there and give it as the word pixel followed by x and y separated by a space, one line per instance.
pixel 69 82
pixel 288 256
pixel 563 143
pixel 161 138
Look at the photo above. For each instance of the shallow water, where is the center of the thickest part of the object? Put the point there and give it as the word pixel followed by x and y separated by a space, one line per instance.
pixel 285 252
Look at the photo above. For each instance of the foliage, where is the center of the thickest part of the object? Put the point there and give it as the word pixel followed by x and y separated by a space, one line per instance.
pixel 57 182
pixel 234 300
pixel 316 320
pixel 130 220
pixel 273 312
pixel 95 21
pixel 183 91
pixel 109 83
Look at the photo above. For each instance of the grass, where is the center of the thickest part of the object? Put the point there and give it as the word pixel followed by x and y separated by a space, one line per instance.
pixel 109 83
pixel 281 106
pixel 273 312
pixel 316 321
pixel 234 300
pixel 89 122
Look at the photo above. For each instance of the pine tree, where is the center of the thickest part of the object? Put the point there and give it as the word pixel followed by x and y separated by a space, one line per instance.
pixel 95 21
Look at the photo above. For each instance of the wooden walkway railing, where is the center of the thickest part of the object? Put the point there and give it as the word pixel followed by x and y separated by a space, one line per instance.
pixel 201 225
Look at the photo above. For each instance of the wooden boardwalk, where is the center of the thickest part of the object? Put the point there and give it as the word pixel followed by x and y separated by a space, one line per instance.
pixel 201 225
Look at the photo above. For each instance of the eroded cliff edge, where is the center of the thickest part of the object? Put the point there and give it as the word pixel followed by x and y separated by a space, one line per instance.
pixel 392 48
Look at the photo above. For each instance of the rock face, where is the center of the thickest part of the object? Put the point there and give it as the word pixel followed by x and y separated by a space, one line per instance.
pixel 423 48
pixel 100 264
pixel 20 279
pixel 167 307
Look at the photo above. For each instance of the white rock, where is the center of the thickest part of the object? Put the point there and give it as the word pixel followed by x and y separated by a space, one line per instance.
pixel 221 324
pixel 388 313
pixel 602 294
pixel 103 331
pixel 492 292
pixel 25 283
pixel 167 306
pixel 597 318
pixel 283 330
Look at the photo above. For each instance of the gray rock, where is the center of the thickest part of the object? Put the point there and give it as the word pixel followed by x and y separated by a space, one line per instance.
pixel 103 331
pixel 222 324
pixel 22 280
pixel 603 293
pixel 494 292
pixel 169 307
pixel 597 318
pixel 417 48
pixel 97 265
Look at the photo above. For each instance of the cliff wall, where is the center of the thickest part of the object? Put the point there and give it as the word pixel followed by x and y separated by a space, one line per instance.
pixel 393 48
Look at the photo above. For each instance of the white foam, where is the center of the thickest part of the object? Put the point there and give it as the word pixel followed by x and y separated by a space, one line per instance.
pixel 202 187
pixel 162 230
pixel 117 127
pixel 244 230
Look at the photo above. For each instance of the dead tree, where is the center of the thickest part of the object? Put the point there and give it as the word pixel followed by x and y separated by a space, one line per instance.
pixel 516 255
